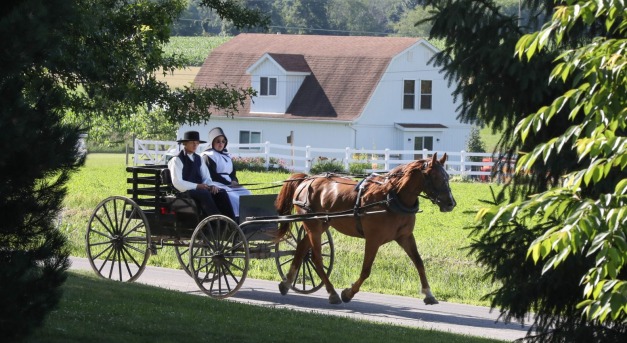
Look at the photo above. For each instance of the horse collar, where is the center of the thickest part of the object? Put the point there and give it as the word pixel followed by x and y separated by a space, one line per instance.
pixel 395 205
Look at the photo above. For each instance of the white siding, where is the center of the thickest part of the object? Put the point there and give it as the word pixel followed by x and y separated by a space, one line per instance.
pixel 293 83
pixel 269 104
pixel 318 134
pixel 376 124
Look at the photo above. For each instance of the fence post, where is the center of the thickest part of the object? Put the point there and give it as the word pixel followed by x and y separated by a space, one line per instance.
pixel 347 156
pixel 462 163
pixel 387 159
pixel 136 144
pixel 267 153
pixel 307 158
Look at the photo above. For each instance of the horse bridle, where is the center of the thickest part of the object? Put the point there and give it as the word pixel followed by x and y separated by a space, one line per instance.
pixel 430 185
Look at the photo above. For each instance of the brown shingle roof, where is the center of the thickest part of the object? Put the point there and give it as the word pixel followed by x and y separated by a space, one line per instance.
pixel 345 70
pixel 291 62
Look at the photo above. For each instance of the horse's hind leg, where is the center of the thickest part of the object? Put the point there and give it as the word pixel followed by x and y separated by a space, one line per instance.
pixel 334 298
pixel 370 253
pixel 408 243
pixel 312 241
pixel 301 249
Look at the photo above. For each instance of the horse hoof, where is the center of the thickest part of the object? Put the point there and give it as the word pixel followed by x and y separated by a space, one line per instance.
pixel 431 301
pixel 345 297
pixel 283 288
pixel 334 299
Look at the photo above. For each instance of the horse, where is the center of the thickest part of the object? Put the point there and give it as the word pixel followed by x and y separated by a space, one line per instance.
pixel 383 209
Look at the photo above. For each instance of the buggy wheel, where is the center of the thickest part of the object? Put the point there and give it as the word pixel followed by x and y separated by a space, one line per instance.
pixel 306 280
pixel 218 256
pixel 118 239
pixel 182 254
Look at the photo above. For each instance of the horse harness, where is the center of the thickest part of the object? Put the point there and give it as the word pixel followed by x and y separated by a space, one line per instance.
pixel 391 202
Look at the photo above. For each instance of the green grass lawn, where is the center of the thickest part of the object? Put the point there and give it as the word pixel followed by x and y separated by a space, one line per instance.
pixel 454 276
pixel 99 310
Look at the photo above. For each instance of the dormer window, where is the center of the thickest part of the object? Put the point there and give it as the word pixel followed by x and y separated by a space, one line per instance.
pixel 267 86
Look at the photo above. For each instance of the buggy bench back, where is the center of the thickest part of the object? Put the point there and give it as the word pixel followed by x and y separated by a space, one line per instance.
pixel 154 194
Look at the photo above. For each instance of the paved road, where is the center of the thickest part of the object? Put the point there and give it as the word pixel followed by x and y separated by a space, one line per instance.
pixel 406 311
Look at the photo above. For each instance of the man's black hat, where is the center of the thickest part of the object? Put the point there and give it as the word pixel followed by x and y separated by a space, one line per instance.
pixel 190 136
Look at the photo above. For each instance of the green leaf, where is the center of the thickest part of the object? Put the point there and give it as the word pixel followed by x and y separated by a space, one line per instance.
pixel 531 49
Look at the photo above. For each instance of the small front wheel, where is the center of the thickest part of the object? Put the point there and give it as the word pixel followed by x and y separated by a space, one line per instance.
pixel 219 256
pixel 182 254
pixel 118 239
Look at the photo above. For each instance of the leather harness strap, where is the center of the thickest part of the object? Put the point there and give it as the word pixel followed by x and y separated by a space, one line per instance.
pixel 360 187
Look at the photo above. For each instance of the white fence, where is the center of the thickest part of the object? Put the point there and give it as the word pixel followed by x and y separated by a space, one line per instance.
pixel 301 159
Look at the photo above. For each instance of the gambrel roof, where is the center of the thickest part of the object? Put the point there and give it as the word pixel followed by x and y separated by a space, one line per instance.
pixel 345 70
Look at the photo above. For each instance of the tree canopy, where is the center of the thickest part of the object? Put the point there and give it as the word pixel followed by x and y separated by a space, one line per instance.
pixel 94 59
pixel 554 82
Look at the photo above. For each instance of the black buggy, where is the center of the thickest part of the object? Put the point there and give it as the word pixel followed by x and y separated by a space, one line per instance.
pixel 215 251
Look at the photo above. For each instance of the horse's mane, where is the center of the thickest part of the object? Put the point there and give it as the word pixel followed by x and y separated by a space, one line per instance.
pixel 395 179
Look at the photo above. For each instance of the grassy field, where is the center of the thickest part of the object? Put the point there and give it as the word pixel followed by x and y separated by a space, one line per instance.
pixel 99 310
pixel 454 276
pixel 195 50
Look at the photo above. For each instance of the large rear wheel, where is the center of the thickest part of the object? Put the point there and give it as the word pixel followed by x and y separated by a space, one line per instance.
pixel 307 279
pixel 219 256
pixel 118 239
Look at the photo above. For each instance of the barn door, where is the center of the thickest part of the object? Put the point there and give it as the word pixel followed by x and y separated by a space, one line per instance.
pixel 421 143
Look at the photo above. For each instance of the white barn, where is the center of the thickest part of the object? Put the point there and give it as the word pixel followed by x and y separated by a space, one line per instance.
pixel 335 92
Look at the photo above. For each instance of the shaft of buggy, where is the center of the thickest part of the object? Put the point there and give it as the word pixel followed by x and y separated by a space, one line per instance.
pixel 306 216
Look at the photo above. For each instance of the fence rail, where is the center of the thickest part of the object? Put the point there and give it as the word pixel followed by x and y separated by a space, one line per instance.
pixel 294 158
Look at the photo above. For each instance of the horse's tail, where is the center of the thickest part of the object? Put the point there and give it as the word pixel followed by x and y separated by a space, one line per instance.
pixel 284 201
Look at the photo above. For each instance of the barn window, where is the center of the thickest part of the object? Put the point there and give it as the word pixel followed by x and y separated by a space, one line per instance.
pixel 409 94
pixel 249 137
pixel 267 86
pixel 426 94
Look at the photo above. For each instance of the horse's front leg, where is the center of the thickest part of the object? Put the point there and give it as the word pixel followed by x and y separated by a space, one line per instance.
pixel 370 252
pixel 408 243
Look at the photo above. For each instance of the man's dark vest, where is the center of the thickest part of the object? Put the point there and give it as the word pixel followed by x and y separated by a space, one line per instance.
pixel 191 169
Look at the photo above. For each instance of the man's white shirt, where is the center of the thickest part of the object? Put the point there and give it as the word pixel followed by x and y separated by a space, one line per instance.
pixel 176 172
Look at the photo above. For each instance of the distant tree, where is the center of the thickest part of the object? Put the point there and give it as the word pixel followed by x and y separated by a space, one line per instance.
pixel 474 142
pixel 352 16
pixel 407 27
pixel 96 59
pixel 304 16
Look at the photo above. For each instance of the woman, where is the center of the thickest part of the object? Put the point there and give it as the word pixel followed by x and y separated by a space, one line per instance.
pixel 221 167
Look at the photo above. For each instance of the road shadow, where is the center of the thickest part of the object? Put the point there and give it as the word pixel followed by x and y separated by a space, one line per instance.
pixel 417 312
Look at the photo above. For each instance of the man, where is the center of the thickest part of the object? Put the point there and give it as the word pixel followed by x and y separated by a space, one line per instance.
pixel 189 174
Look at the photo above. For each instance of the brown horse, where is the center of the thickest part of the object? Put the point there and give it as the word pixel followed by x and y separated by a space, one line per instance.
pixel 384 210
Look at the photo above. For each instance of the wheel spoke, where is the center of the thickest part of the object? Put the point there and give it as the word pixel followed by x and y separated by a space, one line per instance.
pixel 130 255
pixel 115 212
pixel 109 227
pixel 102 234
pixel 210 241
pixel 134 229
pixel 103 251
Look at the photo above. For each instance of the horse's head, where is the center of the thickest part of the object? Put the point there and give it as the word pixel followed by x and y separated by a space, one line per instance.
pixel 436 185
